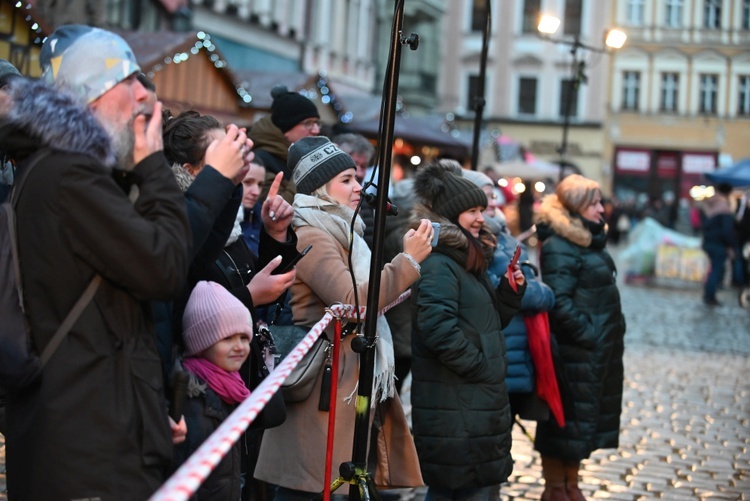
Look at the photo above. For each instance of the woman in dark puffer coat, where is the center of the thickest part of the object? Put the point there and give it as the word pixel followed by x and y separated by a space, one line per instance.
pixel 589 327
pixel 461 414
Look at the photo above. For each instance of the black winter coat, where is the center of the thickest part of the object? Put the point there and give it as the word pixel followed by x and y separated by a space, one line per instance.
pixel 97 425
pixel 204 412
pixel 589 327
pixel 460 410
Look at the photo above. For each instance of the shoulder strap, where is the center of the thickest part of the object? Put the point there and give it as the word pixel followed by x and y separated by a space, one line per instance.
pixel 32 161
pixel 87 295
pixel 71 319
pixel 10 213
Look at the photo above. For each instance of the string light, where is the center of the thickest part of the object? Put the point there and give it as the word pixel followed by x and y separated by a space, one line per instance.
pixel 327 97
pixel 204 43
pixel 33 25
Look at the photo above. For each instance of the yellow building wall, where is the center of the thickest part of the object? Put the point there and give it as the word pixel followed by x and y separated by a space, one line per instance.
pixel 680 133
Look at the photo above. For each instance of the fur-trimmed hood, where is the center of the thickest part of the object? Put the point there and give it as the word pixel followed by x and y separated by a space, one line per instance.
pixel 40 116
pixel 552 217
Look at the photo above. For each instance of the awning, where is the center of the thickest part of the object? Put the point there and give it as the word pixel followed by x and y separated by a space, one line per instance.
pixel 422 130
pixel 737 175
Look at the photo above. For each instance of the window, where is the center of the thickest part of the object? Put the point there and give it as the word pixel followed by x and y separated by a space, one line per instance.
pixel 527 96
pixel 673 14
pixel 631 81
pixel 670 83
pixel 746 14
pixel 712 14
pixel 707 93
pixel 634 12
pixel 473 91
pixel 478 18
pixel 569 98
pixel 743 104
pixel 531 9
pixel 572 22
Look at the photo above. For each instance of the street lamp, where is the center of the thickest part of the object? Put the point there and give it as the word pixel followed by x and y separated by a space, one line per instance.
pixel 614 39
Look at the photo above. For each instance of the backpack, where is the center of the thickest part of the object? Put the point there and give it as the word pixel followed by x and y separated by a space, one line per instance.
pixel 20 364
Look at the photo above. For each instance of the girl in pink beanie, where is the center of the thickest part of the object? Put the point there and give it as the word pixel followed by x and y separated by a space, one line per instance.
pixel 217 329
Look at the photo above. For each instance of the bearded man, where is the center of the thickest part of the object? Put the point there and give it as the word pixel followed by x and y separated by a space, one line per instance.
pixel 95 426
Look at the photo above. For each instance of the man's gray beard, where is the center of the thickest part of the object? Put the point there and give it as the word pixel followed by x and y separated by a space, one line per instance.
pixel 123 141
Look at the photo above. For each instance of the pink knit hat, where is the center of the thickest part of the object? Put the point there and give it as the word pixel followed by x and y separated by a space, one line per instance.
pixel 212 313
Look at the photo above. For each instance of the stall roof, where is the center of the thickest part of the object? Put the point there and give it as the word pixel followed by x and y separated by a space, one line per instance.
pixel 154 50
pixel 260 83
pixel 424 130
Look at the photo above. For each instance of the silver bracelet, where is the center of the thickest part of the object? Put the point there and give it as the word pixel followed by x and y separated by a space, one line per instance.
pixel 413 262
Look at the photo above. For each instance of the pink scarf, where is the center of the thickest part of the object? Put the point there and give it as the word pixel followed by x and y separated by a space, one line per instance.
pixel 228 385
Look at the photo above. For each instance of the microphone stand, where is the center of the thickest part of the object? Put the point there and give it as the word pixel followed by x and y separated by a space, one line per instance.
pixel 362 485
pixel 479 100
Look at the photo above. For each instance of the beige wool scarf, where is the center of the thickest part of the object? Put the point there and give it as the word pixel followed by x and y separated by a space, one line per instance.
pixel 335 219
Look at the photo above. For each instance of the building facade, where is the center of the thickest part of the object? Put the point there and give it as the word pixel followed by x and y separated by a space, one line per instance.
pixel 680 98
pixel 529 78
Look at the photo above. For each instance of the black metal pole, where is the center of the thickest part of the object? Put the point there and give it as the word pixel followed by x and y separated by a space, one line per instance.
pixel 366 347
pixel 479 100
pixel 572 91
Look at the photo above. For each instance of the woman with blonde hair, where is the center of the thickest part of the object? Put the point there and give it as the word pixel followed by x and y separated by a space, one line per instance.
pixel 588 326
pixel 293 455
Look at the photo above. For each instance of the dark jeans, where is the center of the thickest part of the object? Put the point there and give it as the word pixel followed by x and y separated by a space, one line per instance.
pixel 717 255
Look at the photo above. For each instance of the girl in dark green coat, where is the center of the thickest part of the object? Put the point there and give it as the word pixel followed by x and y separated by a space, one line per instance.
pixel 589 328
pixel 460 410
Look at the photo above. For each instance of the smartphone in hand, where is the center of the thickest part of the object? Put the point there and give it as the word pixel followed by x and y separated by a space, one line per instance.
pixel 512 267
pixel 286 267
pixel 436 233
pixel 516 256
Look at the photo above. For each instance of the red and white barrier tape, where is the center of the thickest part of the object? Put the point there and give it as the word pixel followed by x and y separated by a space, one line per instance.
pixel 193 472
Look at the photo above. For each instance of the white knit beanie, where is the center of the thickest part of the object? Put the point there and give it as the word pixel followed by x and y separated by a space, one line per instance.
pixel 212 313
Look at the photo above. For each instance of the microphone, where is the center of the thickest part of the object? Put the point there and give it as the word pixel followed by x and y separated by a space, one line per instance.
pixel 390 209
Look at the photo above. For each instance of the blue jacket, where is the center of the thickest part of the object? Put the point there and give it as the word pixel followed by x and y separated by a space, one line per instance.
pixel 537 298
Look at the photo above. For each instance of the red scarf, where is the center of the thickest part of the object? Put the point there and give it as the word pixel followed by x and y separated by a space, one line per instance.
pixel 228 385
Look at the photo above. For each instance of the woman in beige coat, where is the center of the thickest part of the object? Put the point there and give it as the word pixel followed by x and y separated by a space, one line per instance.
pixel 292 455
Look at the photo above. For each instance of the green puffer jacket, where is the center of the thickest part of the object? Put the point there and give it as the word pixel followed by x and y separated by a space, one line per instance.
pixel 589 327
pixel 460 409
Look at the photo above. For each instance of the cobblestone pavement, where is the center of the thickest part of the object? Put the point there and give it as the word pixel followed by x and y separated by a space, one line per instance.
pixel 686 417
pixel 685 427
